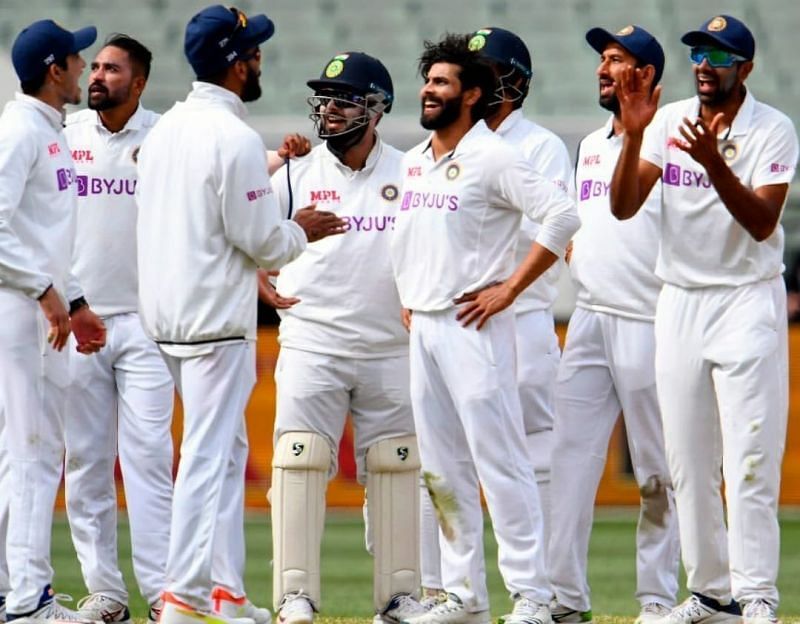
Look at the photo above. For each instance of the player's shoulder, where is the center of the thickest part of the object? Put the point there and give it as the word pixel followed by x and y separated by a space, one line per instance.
pixel 390 155
pixel 678 109
pixel 770 119
pixel 85 116
pixel 149 118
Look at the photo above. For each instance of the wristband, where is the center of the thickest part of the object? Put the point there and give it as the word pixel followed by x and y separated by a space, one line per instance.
pixel 77 304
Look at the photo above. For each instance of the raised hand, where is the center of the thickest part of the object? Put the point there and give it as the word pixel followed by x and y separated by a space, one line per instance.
pixel 294 145
pixel 700 140
pixel 638 101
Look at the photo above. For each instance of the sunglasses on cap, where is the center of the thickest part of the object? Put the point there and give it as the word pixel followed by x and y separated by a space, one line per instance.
pixel 341 99
pixel 714 56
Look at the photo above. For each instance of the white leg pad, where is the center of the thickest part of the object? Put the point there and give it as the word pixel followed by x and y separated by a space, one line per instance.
pixel 299 479
pixel 393 493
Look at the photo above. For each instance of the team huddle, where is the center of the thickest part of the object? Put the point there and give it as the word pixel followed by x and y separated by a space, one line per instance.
pixel 415 292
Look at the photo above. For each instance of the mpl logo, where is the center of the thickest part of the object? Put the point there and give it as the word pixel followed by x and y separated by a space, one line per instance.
pixel 82 156
pixel 675 176
pixel 53 149
pixel 414 172
pixel 325 196
pixel 592 160
pixel 594 188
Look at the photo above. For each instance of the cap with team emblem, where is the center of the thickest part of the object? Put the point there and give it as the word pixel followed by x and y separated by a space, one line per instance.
pixel 358 72
pixel 217 37
pixel 726 32
pixel 502 46
pixel 42 43
pixel 636 40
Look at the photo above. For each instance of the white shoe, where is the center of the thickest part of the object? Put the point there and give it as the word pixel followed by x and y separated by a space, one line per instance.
pixel 527 611
pixel 103 608
pixel 430 600
pixel 296 608
pixel 695 610
pixel 564 615
pixel 50 609
pixel 452 611
pixel 175 611
pixel 225 603
pixel 759 612
pixel 154 613
pixel 2 608
pixel 401 607
pixel 651 612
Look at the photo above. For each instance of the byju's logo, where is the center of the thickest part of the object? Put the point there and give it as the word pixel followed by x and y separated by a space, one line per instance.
pixel 594 188
pixel 675 176
pixel 64 177
pixel 104 186
pixel 416 199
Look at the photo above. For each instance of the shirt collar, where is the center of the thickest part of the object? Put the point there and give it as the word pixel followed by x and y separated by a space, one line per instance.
pixel 744 116
pixel 477 131
pixel 135 121
pixel 205 91
pixel 372 157
pixel 507 125
pixel 53 116
pixel 608 128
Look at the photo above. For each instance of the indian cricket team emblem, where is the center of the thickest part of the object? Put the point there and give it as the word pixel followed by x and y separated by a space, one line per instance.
pixel 298 448
pixel 729 151
pixel 478 40
pixel 390 192
pixel 402 453
pixel 452 172
pixel 135 154
pixel 336 66
pixel 624 32
pixel 717 24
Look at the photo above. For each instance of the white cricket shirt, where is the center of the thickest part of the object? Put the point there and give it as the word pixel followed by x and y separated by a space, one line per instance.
pixel 613 261
pixel 459 218
pixel 349 304
pixel 37 200
pixel 549 157
pixel 207 219
pixel 104 259
pixel 701 243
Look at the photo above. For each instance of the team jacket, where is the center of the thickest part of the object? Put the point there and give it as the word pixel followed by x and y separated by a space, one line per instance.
pixel 104 260
pixel 37 200
pixel 459 218
pixel 349 304
pixel 207 219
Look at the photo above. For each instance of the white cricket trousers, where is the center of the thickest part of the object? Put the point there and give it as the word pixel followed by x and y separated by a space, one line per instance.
pixel 722 371
pixel 608 365
pixel 120 401
pixel 33 387
pixel 4 500
pixel 215 388
pixel 470 431
pixel 538 355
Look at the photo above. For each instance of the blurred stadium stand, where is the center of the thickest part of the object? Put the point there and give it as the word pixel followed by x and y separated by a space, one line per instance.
pixel 309 32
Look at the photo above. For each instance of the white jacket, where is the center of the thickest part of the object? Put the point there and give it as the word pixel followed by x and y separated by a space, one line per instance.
pixel 207 220
pixel 37 200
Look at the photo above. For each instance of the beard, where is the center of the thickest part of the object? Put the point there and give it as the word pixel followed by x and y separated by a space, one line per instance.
pixel 101 98
pixel 723 92
pixel 252 86
pixel 610 103
pixel 448 113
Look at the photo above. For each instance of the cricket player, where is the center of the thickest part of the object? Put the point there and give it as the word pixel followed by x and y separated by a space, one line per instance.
pixel 207 219
pixel 122 398
pixel 537 343
pixel 463 195
pixel 725 161
pixel 40 301
pixel 608 362
pixel 344 349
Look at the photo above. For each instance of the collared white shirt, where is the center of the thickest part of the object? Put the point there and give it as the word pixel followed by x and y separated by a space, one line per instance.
pixel 459 218
pixel 207 219
pixel 549 157
pixel 37 200
pixel 349 305
pixel 701 243
pixel 613 261
pixel 104 260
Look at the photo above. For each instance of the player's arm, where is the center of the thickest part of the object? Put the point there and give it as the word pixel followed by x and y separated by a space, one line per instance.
pixel 757 210
pixel 634 177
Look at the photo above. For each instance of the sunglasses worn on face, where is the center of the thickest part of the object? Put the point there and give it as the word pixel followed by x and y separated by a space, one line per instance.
pixel 341 99
pixel 714 56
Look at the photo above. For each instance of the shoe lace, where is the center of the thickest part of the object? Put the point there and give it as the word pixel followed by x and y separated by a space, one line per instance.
pixel 525 606
pixel 758 609
pixel 691 608
pixel 451 605
pixel 296 602
pixel 57 611
pixel 408 605
pixel 655 608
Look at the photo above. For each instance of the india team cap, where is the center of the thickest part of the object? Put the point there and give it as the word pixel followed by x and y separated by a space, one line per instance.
pixel 44 42
pixel 636 40
pixel 218 36
pixel 502 46
pixel 725 32
pixel 357 72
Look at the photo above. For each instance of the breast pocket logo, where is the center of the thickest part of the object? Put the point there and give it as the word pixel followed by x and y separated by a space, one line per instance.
pixel 390 192
pixel 452 171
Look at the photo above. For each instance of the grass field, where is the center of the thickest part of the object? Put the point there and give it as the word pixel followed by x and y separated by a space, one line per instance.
pixel 347 568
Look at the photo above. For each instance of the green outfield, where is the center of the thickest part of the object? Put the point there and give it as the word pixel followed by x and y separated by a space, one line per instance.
pixel 347 569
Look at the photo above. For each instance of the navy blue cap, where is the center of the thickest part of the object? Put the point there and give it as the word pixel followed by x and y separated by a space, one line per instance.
pixel 636 40
pixel 357 72
pixel 502 46
pixel 42 43
pixel 725 32
pixel 218 36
